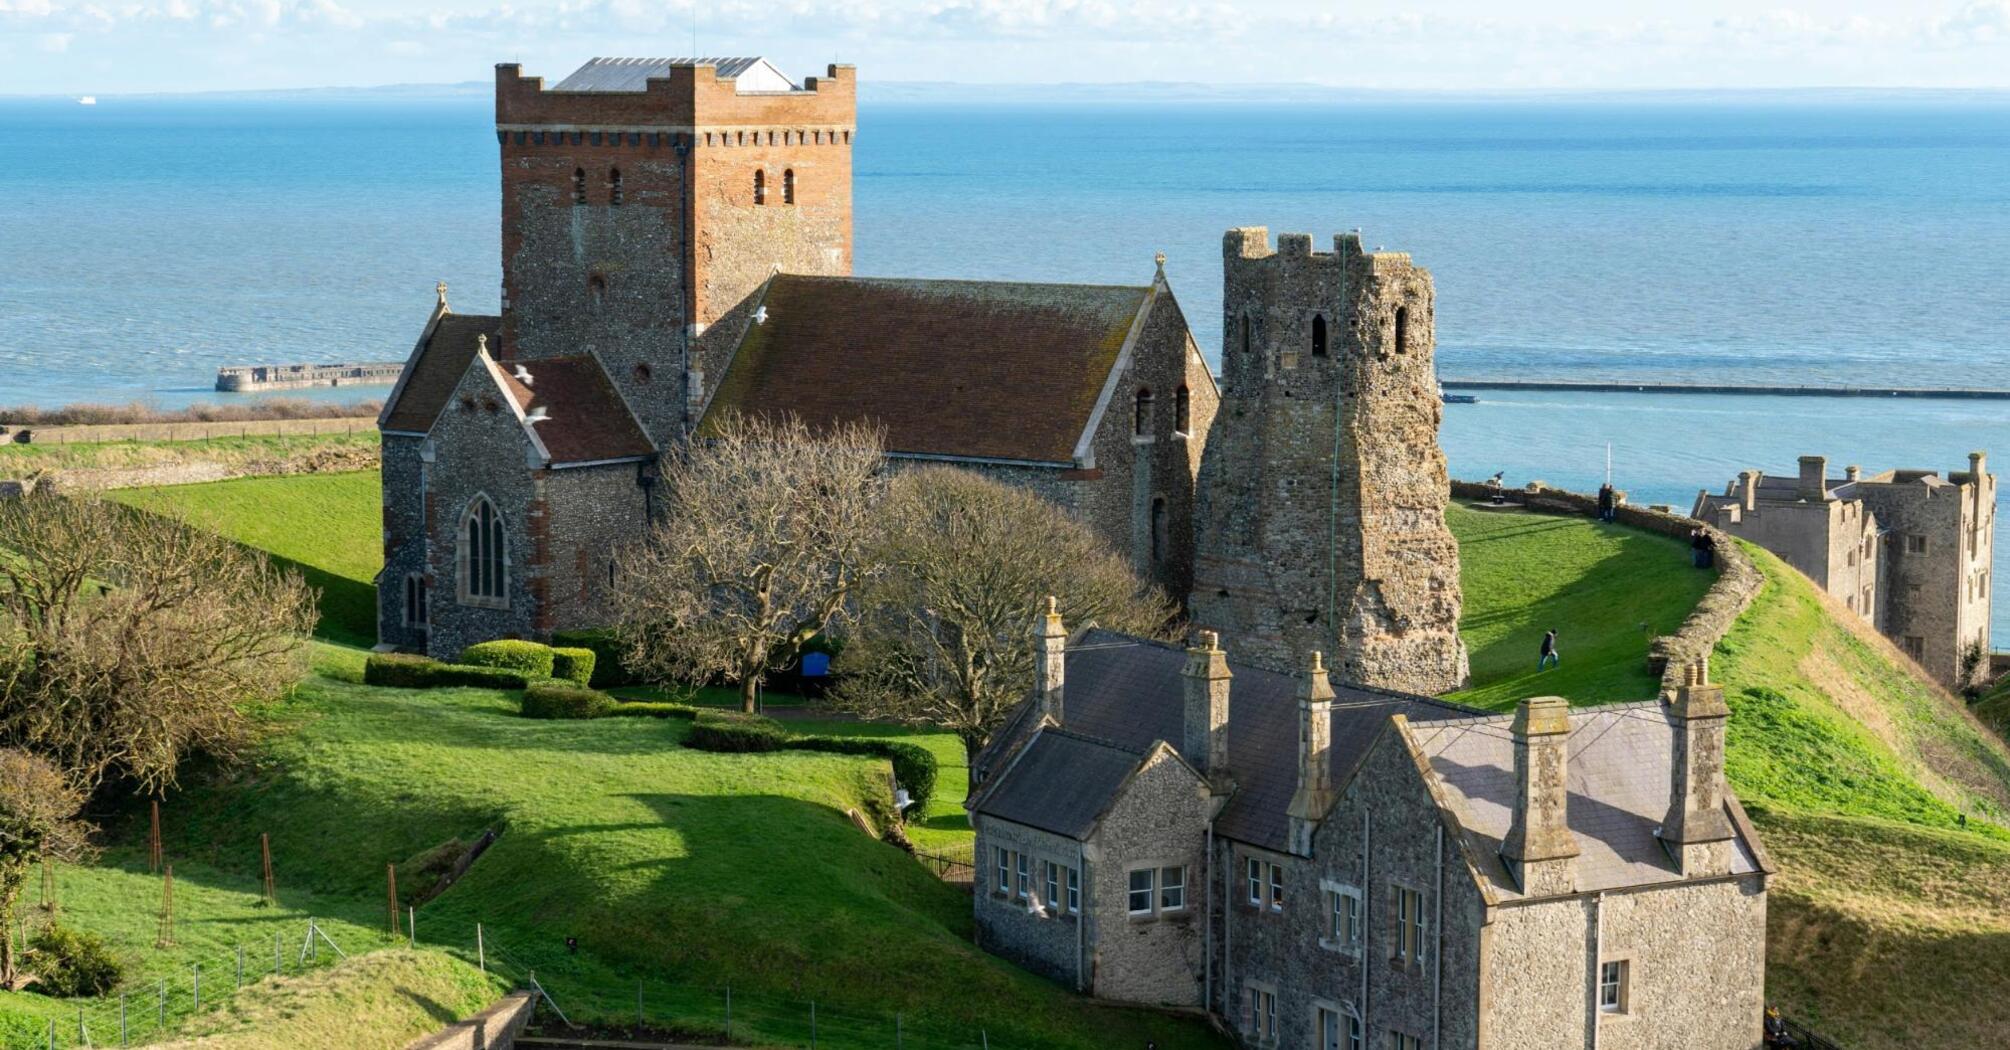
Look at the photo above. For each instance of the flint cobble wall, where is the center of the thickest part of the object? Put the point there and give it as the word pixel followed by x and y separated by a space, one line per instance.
pixel 1159 819
pixel 1043 941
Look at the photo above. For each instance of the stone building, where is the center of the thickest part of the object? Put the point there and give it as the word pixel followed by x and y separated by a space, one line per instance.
pixel 1320 516
pixel 676 244
pixel 1321 866
pixel 1908 550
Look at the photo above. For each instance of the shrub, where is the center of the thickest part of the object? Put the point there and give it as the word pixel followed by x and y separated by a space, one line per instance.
pixel 533 659
pixel 405 671
pixel 913 765
pixel 70 962
pixel 564 700
pixel 573 665
pixel 733 732
pixel 652 709
pixel 606 648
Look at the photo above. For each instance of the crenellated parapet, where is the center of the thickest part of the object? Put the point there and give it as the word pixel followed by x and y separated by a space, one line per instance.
pixel 687 98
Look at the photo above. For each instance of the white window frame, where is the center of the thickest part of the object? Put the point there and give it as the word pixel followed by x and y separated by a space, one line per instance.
pixel 1412 944
pixel 1614 985
pixel 1131 891
pixel 1276 901
pixel 1344 926
pixel 1051 882
pixel 1346 1027
pixel 1405 1041
pixel 1167 888
pixel 1074 891
pixel 1023 868
pixel 1004 887
pixel 1254 870
pixel 1260 1011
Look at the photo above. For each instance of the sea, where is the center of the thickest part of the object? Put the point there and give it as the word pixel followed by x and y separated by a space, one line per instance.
pixel 1779 240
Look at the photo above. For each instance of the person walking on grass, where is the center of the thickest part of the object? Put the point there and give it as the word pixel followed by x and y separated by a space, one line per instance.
pixel 1548 659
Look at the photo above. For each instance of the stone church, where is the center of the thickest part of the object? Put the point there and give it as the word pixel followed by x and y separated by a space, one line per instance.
pixel 676 246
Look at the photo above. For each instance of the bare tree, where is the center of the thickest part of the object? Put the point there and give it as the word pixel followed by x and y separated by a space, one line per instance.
pixel 942 637
pixel 38 818
pixel 130 640
pixel 762 544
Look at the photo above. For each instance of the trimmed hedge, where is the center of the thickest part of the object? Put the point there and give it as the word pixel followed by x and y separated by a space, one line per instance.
pixel 573 665
pixel 914 766
pixel 606 648
pixel 406 671
pixel 564 700
pixel 652 709
pixel 533 659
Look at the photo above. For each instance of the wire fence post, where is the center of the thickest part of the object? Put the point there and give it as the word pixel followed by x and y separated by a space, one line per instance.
pixel 122 1018
pixel 638 1002
pixel 195 986
pixel 412 924
pixel 83 1033
pixel 729 1013
pixel 986 1037
pixel 240 966
pixel 813 1024
pixel 161 1019
pixel 481 951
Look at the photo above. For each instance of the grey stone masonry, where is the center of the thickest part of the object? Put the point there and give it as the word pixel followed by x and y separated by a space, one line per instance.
pixel 1320 514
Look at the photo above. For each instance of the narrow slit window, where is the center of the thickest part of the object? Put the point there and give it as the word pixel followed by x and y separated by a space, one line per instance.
pixel 1182 411
pixel 789 186
pixel 1402 329
pixel 760 187
pixel 614 186
pixel 1141 413
pixel 1319 335
pixel 579 185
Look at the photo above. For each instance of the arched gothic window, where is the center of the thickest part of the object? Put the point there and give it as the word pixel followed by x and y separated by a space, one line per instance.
pixel 579 185
pixel 483 556
pixel 760 186
pixel 789 186
pixel 1141 414
pixel 1402 329
pixel 1182 411
pixel 614 185
pixel 1318 335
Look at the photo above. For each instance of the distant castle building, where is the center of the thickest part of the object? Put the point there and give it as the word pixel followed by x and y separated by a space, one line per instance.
pixel 1322 492
pixel 1321 866
pixel 1908 550
pixel 676 245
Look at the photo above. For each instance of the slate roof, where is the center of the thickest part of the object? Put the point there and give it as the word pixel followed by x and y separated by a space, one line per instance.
pixel 632 74
pixel 979 369
pixel 588 420
pixel 1129 692
pixel 1060 783
pixel 434 369
pixel 1621 768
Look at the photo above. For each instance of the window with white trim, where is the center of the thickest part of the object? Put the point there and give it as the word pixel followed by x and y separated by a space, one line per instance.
pixel 1276 887
pixel 1004 870
pixel 1409 927
pixel 1074 891
pixel 1172 889
pixel 1405 1041
pixel 1255 868
pixel 1141 892
pixel 1343 918
pixel 1025 873
pixel 1266 883
pixel 1612 977
pixel 1051 876
pixel 1260 1016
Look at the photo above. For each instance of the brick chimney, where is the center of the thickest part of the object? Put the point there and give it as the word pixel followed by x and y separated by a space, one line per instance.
pixel 1750 495
pixel 1050 643
pixel 1696 832
pixel 1814 479
pixel 1315 750
pixel 1205 680
pixel 1539 846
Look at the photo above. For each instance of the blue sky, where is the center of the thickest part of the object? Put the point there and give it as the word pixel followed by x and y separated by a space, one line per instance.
pixel 110 46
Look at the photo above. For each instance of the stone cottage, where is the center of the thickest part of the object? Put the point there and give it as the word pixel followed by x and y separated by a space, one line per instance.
pixel 1322 867
pixel 1909 550
pixel 676 242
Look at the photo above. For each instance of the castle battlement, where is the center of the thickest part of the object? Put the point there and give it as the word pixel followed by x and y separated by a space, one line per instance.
pixel 686 97
pixel 1252 244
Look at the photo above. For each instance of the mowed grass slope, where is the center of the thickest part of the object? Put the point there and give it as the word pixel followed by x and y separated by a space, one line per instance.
pixel 1607 590
pixel 380 1001
pixel 326 525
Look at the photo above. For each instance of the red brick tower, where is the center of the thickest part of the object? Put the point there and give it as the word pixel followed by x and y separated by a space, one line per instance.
pixel 643 199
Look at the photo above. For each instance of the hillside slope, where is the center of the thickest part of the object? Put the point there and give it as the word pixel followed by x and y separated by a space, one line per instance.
pixel 1882 801
pixel 379 1001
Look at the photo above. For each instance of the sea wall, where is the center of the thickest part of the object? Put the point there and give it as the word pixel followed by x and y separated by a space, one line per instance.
pixel 1738 580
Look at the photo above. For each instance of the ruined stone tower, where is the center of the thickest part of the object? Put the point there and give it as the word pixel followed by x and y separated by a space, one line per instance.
pixel 643 199
pixel 1320 519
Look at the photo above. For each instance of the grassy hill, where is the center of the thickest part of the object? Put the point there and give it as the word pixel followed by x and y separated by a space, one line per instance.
pixel 1607 590
pixel 379 1001
pixel 326 525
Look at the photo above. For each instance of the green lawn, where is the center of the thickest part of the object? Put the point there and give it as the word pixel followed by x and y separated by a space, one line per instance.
pixel 327 525
pixel 686 870
pixel 17 460
pixel 1606 589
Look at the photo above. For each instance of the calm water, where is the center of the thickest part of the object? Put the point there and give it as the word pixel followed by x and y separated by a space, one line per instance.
pixel 142 244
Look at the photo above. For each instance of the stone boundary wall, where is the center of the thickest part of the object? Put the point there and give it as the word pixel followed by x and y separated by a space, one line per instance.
pixel 99 433
pixel 495 1028
pixel 1738 580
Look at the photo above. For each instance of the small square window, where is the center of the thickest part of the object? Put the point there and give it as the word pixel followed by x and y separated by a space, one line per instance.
pixel 1141 892
pixel 1172 889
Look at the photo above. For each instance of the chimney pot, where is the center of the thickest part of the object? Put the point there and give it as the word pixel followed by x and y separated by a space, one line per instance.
pixel 1205 684
pixel 1314 795
pixel 1050 640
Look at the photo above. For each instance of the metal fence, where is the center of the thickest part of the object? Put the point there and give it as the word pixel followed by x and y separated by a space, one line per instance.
pixel 952 864
pixel 140 1013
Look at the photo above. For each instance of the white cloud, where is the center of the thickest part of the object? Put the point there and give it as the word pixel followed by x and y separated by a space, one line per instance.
pixel 54 43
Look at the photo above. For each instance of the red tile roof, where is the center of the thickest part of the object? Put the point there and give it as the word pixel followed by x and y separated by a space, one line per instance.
pixel 587 420
pixel 435 368
pixel 980 369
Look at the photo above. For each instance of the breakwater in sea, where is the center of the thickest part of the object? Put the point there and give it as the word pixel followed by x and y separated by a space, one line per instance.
pixel 248 379
pixel 1609 387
